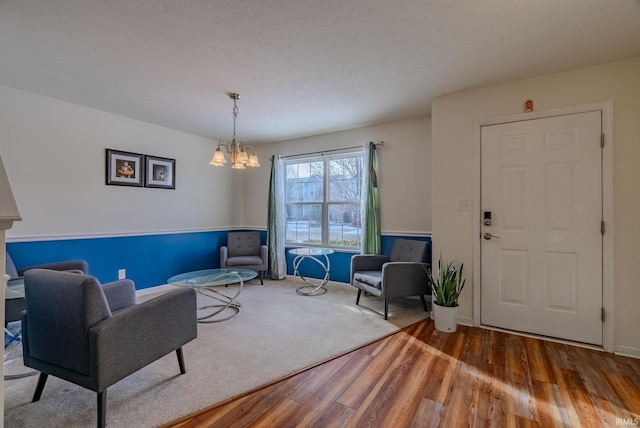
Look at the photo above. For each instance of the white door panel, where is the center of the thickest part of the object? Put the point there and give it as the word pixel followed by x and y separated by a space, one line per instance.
pixel 542 271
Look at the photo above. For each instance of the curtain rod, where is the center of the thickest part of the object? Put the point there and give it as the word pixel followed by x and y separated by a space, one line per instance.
pixel 380 144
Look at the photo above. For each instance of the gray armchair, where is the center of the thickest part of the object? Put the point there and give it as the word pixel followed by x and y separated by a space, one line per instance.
pixel 95 335
pixel 402 274
pixel 244 251
pixel 13 307
pixel 14 272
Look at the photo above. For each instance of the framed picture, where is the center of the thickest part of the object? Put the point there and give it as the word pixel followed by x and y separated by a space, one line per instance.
pixel 124 168
pixel 161 172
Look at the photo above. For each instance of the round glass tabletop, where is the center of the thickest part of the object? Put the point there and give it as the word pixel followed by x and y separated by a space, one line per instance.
pixel 311 251
pixel 211 277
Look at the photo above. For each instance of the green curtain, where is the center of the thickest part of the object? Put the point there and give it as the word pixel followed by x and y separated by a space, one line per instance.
pixel 371 231
pixel 275 221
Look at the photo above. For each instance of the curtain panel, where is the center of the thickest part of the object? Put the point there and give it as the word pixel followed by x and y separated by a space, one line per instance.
pixel 276 221
pixel 371 230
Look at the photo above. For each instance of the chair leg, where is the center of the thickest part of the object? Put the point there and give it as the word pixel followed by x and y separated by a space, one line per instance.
pixel 424 303
pixel 261 275
pixel 386 308
pixel 183 370
pixel 102 408
pixel 358 296
pixel 40 386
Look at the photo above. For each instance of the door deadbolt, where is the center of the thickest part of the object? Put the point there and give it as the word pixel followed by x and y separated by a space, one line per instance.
pixel 487 218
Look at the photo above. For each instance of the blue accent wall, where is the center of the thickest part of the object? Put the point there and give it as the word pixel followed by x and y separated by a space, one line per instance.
pixel 151 259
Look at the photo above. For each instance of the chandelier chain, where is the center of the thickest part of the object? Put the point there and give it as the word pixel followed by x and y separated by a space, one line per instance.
pixel 235 117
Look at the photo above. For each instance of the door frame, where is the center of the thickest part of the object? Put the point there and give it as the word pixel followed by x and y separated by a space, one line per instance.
pixel 606 108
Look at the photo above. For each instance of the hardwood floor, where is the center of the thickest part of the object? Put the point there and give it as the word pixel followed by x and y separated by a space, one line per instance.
pixel 420 377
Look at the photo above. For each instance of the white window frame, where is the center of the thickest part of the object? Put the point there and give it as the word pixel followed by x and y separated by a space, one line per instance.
pixel 325 202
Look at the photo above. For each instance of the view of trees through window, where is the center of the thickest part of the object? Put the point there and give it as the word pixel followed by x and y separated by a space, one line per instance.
pixel 323 200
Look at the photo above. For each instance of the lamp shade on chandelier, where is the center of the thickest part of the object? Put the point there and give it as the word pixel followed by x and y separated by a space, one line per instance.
pixel 241 156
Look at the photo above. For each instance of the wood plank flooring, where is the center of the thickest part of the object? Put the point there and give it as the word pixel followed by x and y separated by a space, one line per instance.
pixel 420 377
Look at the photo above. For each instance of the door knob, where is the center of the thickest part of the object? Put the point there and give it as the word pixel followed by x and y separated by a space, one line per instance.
pixel 488 236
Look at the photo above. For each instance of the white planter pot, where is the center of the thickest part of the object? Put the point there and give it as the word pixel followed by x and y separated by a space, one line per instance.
pixel 446 319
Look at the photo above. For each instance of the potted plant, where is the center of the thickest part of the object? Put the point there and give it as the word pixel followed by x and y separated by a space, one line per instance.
pixel 446 286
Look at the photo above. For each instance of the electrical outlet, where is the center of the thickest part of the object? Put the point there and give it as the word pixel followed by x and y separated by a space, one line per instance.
pixel 122 273
pixel 464 205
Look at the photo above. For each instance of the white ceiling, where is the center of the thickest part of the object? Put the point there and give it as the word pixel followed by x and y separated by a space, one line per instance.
pixel 302 67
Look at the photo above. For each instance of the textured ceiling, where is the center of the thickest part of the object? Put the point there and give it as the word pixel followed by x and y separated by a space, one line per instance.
pixel 302 67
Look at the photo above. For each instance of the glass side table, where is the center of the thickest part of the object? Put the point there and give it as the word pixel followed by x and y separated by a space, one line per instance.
pixel 311 253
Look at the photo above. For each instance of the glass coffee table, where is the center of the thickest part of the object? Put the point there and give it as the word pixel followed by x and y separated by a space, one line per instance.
pixel 14 304
pixel 204 281
pixel 311 253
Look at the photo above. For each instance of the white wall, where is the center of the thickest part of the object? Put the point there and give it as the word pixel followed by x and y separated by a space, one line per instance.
pixel 452 169
pixel 404 178
pixel 54 154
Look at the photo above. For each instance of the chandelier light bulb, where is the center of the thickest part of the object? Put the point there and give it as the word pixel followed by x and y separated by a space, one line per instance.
pixel 218 158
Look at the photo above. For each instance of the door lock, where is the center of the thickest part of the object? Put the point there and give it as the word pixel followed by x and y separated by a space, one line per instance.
pixel 486 218
pixel 488 236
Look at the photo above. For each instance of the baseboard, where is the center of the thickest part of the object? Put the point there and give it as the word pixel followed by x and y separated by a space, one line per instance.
pixel 154 290
pixel 468 321
pixel 627 351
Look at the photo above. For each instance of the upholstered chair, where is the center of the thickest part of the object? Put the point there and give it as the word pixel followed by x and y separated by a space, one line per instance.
pixel 94 335
pixel 14 272
pixel 401 274
pixel 13 307
pixel 244 251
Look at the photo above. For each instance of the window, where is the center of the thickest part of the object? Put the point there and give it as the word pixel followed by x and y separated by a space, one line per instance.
pixel 322 198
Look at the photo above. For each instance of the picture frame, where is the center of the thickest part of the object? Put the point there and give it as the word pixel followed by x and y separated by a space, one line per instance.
pixel 124 168
pixel 161 172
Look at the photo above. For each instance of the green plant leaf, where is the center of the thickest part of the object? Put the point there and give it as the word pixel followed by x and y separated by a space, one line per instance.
pixel 448 283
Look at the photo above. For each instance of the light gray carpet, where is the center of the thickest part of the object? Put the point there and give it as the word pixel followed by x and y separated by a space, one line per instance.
pixel 276 333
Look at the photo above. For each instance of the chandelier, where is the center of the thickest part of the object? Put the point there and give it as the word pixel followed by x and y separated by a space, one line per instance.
pixel 241 155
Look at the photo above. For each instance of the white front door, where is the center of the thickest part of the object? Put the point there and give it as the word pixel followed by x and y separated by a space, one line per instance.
pixel 541 254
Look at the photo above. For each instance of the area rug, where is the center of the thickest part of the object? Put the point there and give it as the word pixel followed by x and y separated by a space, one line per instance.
pixel 276 333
